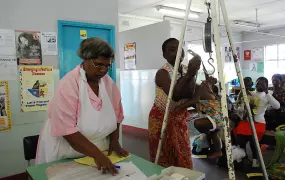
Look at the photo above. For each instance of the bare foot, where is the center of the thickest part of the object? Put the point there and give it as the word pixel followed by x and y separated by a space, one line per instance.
pixel 215 155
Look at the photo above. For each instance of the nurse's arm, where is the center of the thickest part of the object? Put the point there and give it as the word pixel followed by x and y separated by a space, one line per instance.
pixel 115 145
pixel 82 145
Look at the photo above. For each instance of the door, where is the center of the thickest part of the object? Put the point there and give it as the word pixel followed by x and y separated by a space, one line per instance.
pixel 70 35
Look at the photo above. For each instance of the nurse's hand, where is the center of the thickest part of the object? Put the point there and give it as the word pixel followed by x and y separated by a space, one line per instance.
pixel 115 146
pixel 103 163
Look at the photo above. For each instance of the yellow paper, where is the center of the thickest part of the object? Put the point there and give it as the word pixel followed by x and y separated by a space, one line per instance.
pixel 89 161
pixel 249 175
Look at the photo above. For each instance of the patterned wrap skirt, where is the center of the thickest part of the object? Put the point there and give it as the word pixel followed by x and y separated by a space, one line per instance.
pixel 175 149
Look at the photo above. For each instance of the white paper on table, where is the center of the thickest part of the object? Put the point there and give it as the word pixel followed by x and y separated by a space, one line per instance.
pixel 8 68
pixel 127 171
pixel 49 43
pixel 7 42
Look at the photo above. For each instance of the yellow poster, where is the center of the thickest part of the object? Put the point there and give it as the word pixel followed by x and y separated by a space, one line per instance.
pixel 83 34
pixel 37 87
pixel 5 113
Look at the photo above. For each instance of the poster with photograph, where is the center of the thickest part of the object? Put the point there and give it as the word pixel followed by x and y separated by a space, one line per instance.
pixel 228 53
pixel 130 56
pixel 7 42
pixel 8 68
pixel 49 43
pixel 37 87
pixel 28 46
pixel 5 112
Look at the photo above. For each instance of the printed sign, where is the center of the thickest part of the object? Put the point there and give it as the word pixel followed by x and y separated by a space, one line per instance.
pixel 247 55
pixel 28 46
pixel 130 56
pixel 83 34
pixel 37 87
pixel 5 113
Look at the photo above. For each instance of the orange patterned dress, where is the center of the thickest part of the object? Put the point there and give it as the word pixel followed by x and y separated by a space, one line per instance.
pixel 176 145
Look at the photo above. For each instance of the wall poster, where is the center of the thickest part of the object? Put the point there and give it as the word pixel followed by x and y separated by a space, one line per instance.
pixel 258 54
pixel 253 67
pixel 49 43
pixel 228 53
pixel 28 46
pixel 8 68
pixel 130 56
pixel 247 55
pixel 5 113
pixel 37 87
pixel 7 42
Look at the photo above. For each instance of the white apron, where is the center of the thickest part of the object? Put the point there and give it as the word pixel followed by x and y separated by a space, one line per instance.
pixel 93 124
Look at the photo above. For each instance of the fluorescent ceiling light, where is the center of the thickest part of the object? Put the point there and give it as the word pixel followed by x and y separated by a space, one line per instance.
pixel 176 11
pixel 246 24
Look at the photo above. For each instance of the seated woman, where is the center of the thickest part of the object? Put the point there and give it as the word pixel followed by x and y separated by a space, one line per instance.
pixel 260 99
pixel 176 144
pixel 240 113
pixel 273 117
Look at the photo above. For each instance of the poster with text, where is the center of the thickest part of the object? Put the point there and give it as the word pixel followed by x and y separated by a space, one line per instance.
pixel 49 43
pixel 8 68
pixel 130 56
pixel 28 46
pixel 5 113
pixel 37 87
pixel 7 42
pixel 257 54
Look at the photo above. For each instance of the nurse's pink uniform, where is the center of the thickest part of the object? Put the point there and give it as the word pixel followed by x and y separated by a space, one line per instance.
pixel 75 107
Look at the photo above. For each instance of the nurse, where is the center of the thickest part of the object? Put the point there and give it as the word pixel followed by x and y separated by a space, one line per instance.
pixel 85 113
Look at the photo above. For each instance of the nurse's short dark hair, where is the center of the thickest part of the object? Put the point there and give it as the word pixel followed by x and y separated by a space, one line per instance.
pixel 93 48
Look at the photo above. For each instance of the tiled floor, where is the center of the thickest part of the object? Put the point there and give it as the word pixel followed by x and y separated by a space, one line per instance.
pixel 137 143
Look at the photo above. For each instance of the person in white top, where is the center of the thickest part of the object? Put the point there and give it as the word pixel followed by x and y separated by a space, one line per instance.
pixel 260 99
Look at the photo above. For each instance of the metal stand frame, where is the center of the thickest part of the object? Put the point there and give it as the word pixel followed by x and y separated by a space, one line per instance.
pixel 224 104
pixel 222 85
pixel 240 77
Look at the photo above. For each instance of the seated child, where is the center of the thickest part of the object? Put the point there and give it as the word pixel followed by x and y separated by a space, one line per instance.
pixel 260 100
pixel 210 118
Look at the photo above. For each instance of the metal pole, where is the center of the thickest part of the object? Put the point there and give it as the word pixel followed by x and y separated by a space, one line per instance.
pixel 227 131
pixel 240 77
pixel 173 80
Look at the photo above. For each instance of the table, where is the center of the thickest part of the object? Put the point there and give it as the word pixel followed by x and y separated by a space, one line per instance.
pixel 38 172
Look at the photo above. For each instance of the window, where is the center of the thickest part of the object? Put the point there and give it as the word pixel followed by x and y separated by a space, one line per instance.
pixel 274 60
pixel 229 67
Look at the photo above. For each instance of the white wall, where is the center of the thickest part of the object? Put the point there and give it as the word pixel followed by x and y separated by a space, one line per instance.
pixel 138 87
pixel 128 22
pixel 148 41
pixel 253 40
pixel 42 15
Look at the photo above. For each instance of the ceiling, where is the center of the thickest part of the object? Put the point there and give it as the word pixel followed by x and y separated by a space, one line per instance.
pixel 271 13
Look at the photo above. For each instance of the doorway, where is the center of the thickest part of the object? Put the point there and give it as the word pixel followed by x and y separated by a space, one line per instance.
pixel 70 35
